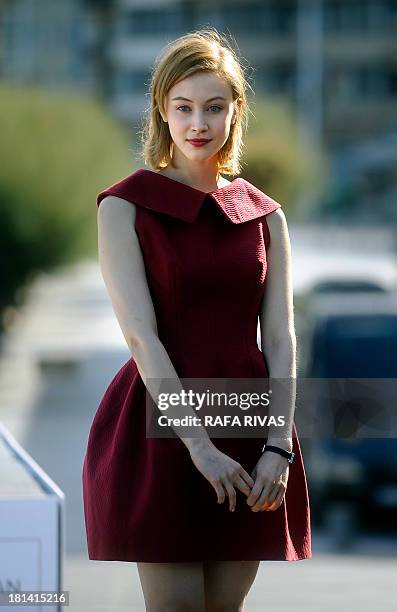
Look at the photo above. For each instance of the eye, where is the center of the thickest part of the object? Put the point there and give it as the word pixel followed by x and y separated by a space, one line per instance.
pixel 219 108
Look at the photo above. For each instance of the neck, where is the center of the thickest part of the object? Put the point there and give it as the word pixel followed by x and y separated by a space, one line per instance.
pixel 204 178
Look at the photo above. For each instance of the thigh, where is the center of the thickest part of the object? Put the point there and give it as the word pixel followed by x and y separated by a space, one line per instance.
pixel 227 583
pixel 174 587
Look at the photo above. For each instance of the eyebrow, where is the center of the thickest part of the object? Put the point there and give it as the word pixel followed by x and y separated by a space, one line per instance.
pixel 209 99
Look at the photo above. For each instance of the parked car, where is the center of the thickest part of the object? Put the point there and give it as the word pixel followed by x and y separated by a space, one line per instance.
pixel 352 481
pixel 348 285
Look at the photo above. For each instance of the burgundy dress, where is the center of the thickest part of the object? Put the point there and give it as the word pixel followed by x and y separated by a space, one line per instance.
pixel 144 499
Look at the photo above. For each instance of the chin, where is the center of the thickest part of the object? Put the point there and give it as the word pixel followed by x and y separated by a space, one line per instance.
pixel 198 155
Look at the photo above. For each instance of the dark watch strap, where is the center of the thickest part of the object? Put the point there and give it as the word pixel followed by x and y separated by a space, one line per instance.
pixel 280 451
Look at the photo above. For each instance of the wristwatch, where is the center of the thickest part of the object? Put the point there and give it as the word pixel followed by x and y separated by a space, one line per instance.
pixel 280 451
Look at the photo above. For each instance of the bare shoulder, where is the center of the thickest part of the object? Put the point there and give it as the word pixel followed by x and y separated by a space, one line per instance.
pixel 277 224
pixel 276 218
pixel 114 209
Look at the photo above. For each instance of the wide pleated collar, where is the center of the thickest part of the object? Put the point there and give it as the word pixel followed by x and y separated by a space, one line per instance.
pixel 239 201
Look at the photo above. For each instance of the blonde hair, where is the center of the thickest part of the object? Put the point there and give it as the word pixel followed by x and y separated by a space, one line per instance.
pixel 204 50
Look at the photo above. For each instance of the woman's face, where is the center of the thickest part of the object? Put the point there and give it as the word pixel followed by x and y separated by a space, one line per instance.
pixel 199 107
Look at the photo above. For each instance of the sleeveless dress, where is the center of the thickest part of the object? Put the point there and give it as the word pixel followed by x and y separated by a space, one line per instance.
pixel 144 499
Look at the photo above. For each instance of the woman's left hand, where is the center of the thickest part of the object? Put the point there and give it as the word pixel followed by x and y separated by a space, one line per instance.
pixel 270 482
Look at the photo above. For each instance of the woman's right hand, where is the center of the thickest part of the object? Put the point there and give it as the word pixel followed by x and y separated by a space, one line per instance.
pixel 221 471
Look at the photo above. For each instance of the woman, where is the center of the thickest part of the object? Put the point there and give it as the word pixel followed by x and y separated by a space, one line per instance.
pixel 184 254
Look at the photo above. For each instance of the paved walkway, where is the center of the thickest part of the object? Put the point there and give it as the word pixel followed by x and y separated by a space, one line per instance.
pixel 325 583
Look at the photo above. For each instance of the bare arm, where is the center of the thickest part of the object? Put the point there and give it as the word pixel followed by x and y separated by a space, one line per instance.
pixel 277 327
pixel 123 271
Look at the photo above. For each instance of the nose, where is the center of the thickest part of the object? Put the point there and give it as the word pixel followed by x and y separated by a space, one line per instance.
pixel 198 122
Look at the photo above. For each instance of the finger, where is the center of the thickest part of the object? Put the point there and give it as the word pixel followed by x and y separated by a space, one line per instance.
pixel 259 502
pixel 279 498
pixel 270 503
pixel 220 492
pixel 262 501
pixel 242 485
pixel 231 493
pixel 272 495
pixel 248 479
pixel 255 493
pixel 277 502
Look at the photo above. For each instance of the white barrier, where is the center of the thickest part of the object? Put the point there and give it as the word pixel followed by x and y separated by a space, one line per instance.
pixel 32 527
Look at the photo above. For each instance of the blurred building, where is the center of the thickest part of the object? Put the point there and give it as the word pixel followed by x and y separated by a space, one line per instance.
pixel 336 59
pixel 45 43
pixel 359 54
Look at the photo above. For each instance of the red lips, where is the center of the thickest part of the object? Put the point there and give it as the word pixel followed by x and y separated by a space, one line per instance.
pixel 199 142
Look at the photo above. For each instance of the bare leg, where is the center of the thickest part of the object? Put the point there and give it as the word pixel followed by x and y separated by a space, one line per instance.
pixel 227 583
pixel 172 587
